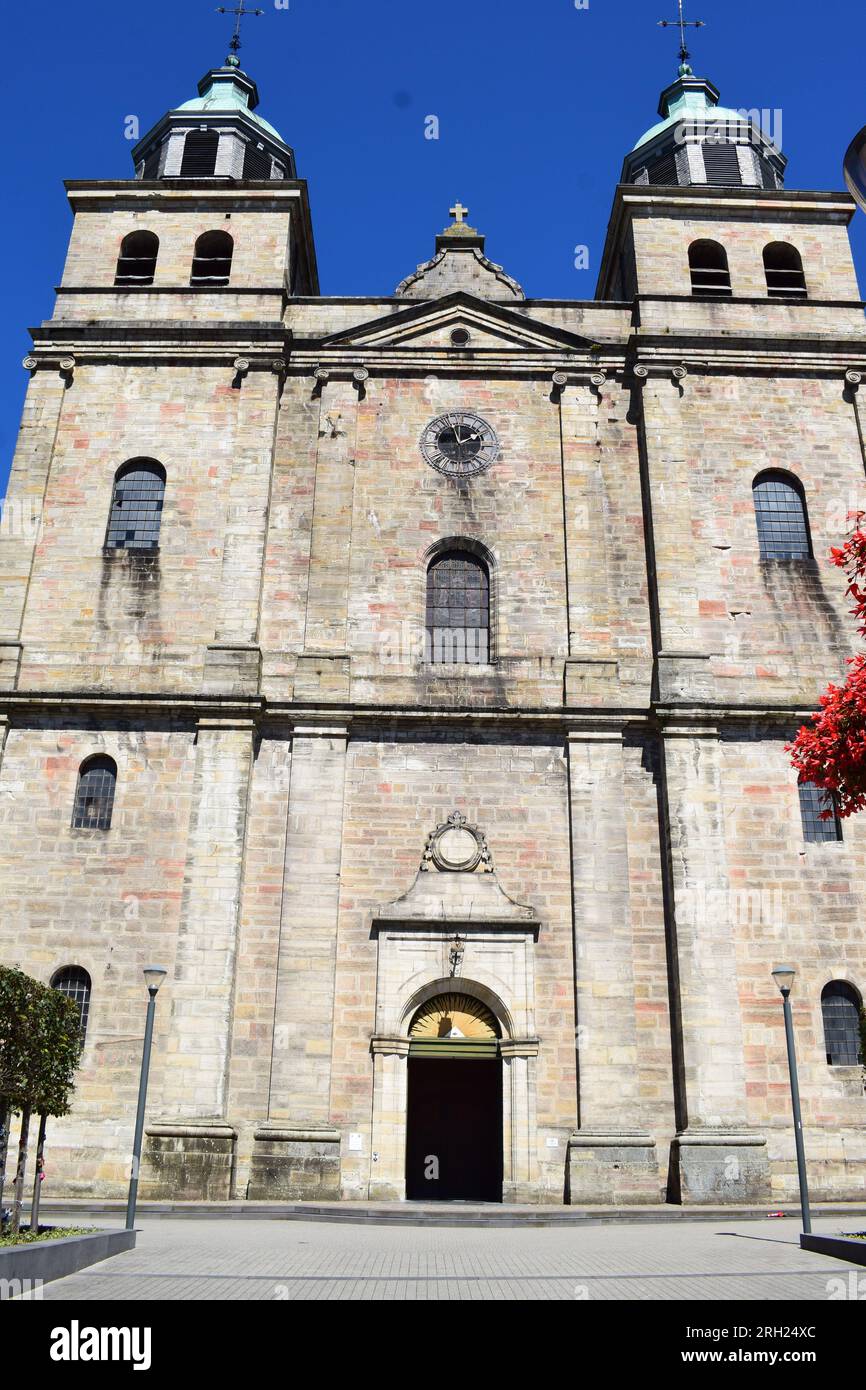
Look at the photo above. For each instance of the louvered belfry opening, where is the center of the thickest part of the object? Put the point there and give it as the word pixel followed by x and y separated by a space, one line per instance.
pixel 710 274
pixel 212 263
pixel 136 264
pixel 257 163
pixel 722 164
pixel 783 267
pixel 199 154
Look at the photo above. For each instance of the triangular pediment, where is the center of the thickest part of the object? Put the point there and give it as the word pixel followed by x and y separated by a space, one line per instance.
pixel 432 323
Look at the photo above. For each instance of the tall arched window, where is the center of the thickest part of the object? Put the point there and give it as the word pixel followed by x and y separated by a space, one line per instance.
pixel 136 506
pixel 94 795
pixel 75 982
pixel 780 514
pixel 136 264
pixel 199 154
pixel 783 267
pixel 458 609
pixel 840 1006
pixel 212 263
pixel 814 802
pixel 708 263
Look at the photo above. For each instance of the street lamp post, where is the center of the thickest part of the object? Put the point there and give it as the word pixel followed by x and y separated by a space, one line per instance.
pixel 784 977
pixel 154 975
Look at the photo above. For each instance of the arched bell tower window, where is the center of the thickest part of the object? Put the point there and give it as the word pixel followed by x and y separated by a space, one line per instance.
pixel 75 984
pixel 136 506
pixel 840 1007
pixel 199 154
pixel 94 795
pixel 136 264
pixel 212 263
pixel 783 267
pixel 780 514
pixel 458 609
pixel 708 264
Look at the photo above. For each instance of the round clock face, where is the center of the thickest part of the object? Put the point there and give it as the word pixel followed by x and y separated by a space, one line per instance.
pixel 459 444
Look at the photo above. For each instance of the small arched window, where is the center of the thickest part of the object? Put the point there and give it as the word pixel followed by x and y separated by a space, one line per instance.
pixel 136 506
pixel 814 803
pixel 780 514
pixel 783 267
pixel 94 795
pixel 136 264
pixel 841 1005
pixel 708 263
pixel 75 983
pixel 212 263
pixel 199 154
pixel 458 609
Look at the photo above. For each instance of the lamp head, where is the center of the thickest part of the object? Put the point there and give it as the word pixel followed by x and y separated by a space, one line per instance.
pixel 784 977
pixel 154 975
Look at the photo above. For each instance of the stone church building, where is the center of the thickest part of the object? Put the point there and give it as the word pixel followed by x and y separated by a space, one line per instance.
pixel 411 677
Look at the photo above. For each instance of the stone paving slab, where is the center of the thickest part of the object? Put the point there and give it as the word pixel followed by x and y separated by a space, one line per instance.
pixel 298 1261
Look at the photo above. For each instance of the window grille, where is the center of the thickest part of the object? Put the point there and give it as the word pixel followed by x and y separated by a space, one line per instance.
pixel 94 795
pixel 75 984
pixel 136 507
pixel 780 514
pixel 840 1007
pixel 814 800
pixel 458 609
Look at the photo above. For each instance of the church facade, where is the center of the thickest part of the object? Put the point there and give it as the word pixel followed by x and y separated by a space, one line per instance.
pixel 411 677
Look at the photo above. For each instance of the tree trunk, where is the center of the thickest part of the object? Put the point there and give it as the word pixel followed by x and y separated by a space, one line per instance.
pixel 5 1122
pixel 22 1169
pixel 37 1182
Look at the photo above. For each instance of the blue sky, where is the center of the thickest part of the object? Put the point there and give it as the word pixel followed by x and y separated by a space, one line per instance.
pixel 537 105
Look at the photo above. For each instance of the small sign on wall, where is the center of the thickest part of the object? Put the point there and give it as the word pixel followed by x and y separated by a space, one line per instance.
pixel 356 1143
pixel 552 1143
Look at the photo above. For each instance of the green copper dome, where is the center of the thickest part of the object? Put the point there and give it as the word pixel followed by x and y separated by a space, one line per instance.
pixel 689 98
pixel 229 90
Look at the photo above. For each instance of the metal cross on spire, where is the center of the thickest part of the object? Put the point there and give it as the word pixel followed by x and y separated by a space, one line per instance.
pixel 239 10
pixel 682 24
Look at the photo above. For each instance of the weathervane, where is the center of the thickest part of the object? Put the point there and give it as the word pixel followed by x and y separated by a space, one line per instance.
pixel 682 24
pixel 240 10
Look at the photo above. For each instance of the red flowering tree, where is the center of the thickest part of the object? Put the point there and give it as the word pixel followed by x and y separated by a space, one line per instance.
pixel 831 752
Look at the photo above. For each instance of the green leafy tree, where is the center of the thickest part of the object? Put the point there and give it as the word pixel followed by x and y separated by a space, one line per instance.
pixel 40 1047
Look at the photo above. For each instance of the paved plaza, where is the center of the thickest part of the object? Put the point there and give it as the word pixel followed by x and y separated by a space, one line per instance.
pixel 286 1260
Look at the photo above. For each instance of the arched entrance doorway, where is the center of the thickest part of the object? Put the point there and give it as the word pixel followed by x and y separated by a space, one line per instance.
pixel 454 1109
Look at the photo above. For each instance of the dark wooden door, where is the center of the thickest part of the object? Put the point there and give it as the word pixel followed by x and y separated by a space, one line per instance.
pixel 454 1130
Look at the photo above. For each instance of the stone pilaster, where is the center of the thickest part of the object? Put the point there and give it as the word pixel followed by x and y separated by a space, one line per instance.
pixel 233 660
pixel 201 988
pixel 323 667
pixel 306 964
pixel 589 607
pixel 23 508
pixel 682 669
pixel 609 1159
pixel 719 1158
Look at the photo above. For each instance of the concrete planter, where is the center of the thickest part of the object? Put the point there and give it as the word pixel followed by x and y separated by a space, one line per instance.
pixel 840 1247
pixel 53 1259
